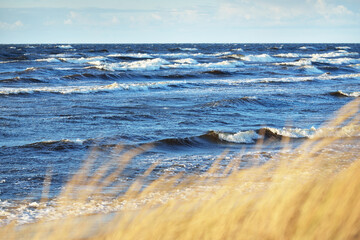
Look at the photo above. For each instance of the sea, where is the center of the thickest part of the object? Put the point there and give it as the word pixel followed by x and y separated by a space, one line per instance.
pixel 182 104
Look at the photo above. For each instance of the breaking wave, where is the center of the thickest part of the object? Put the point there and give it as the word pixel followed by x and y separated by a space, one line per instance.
pixel 342 94
pixel 130 56
pixel 252 136
pixel 160 63
pixel 287 55
pixel 64 46
pixel 47 60
pixel 258 58
pixel 58 145
pixel 86 89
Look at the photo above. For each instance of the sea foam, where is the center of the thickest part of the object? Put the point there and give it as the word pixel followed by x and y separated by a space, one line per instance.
pixel 87 89
pixel 258 58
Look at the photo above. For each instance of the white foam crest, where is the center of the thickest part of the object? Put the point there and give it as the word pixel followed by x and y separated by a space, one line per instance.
pixel 343 47
pixel 239 137
pixel 258 58
pixel 354 94
pixel 355 65
pixel 61 55
pixel 64 46
pixel 10 61
pixel 83 59
pixel 307 47
pixel 252 136
pixel 179 55
pixel 335 61
pixel 287 55
pixel 341 76
pixel 219 54
pixel 223 64
pixel 311 69
pixel 237 49
pixel 64 68
pixel 205 66
pixel 186 61
pixel 148 64
pixel 188 49
pixel 339 53
pixel 88 89
pixel 294 132
pixel 31 69
pixel 131 55
pixel 300 62
pixel 47 60
pixel 341 93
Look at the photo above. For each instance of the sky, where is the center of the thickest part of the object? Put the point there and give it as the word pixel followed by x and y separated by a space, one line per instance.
pixel 179 21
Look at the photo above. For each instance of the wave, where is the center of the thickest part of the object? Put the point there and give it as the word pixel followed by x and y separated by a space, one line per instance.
pixel 311 69
pixel 149 64
pixel 339 53
pixel 252 136
pixel 275 47
pixel 223 64
pixel 20 79
pixel 258 58
pixel 217 72
pixel 99 50
pixel 58 145
pixel 234 56
pixel 188 49
pixel 160 63
pixel 299 62
pixel 342 94
pixel 343 47
pixel 355 65
pixel 131 56
pixel 307 48
pixel 334 61
pixel 30 69
pixel 341 76
pixel 163 84
pixel 89 89
pixel 186 61
pixel 82 59
pixel 310 61
pixel 183 49
pixel 105 76
pixel 64 46
pixel 287 55
pixel 47 60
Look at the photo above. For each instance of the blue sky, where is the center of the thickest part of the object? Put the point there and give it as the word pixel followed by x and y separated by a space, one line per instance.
pixel 168 21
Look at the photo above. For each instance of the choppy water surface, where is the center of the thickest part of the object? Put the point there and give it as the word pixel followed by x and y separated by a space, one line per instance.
pixel 191 101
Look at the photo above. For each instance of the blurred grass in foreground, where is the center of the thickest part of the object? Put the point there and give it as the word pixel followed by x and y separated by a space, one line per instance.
pixel 312 192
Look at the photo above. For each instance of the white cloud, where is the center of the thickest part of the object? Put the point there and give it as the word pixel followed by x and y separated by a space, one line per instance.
pixel 284 13
pixel 256 12
pixel 68 21
pixel 331 10
pixel 11 26
pixel 185 16
pixel 73 16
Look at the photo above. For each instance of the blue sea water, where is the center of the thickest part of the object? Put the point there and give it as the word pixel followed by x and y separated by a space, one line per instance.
pixel 189 101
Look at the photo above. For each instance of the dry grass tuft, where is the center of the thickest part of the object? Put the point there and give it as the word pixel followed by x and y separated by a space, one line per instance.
pixel 311 192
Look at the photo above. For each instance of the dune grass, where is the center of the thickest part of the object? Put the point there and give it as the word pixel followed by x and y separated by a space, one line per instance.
pixel 311 192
